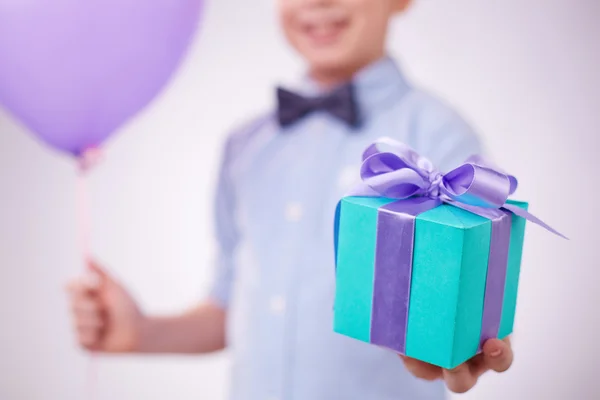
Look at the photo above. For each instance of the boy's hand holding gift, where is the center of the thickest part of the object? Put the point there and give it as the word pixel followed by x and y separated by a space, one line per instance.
pixel 427 264
pixel 496 356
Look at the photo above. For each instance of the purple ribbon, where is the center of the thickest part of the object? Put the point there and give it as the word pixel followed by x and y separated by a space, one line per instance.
pixel 394 170
pixel 393 270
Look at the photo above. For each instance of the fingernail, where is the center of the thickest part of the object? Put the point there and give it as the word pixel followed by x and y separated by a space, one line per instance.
pixel 496 353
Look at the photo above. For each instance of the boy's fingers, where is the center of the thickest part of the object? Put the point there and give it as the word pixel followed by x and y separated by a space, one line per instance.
pixel 99 275
pixel 75 286
pixel 90 283
pixel 87 311
pixel 89 321
pixel 84 301
pixel 478 365
pixel 98 270
pixel 460 379
pixel 82 286
pixel 86 305
pixel 88 337
pixel 498 354
pixel 421 369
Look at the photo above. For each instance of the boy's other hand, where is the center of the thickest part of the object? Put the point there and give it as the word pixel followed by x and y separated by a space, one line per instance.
pixel 105 316
pixel 497 356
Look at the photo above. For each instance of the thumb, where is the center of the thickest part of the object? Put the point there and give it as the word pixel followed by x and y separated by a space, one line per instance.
pixel 98 274
pixel 498 354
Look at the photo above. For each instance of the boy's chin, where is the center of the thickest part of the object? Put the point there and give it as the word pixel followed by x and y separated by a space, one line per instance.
pixel 331 63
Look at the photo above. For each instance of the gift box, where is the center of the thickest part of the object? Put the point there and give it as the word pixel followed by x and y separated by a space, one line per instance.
pixel 427 264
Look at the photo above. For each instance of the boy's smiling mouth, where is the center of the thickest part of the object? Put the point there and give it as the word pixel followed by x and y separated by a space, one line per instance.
pixel 335 35
pixel 323 28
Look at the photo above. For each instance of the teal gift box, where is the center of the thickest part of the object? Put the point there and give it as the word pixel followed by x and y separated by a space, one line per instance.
pixel 433 312
pixel 427 264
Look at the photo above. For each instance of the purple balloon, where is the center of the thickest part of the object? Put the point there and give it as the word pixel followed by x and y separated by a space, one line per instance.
pixel 73 71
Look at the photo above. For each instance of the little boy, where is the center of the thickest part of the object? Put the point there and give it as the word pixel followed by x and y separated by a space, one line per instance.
pixel 281 177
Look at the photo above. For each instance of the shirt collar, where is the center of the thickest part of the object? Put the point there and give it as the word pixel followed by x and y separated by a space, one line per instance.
pixel 373 85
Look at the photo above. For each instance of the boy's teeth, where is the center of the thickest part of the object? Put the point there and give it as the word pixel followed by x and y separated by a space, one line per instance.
pixel 324 30
pixel 334 18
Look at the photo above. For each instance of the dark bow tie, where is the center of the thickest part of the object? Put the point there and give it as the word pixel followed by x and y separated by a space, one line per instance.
pixel 340 103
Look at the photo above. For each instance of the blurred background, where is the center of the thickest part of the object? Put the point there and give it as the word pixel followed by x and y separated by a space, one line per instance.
pixel 524 73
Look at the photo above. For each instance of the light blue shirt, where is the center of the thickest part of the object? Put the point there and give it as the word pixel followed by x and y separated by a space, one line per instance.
pixel 275 205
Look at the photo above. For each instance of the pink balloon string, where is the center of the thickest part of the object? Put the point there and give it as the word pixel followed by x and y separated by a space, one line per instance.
pixel 88 160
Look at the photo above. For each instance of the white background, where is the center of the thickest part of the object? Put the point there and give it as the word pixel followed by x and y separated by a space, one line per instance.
pixel 524 73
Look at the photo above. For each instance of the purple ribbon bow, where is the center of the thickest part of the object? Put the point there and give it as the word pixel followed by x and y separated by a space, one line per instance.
pixel 394 170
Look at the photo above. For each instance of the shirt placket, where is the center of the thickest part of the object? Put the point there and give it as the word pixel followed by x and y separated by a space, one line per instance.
pixel 280 301
pixel 303 213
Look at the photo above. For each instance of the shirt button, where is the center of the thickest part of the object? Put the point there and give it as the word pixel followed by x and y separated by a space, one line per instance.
pixel 293 212
pixel 277 305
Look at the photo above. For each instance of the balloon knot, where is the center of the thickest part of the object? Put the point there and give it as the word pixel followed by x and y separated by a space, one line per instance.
pixel 89 158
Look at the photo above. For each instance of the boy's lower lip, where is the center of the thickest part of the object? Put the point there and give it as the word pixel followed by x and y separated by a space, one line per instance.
pixel 325 35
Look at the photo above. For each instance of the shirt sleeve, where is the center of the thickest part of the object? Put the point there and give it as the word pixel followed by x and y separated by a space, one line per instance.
pixel 226 231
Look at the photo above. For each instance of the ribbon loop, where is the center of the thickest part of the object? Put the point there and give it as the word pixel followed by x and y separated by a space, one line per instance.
pixel 478 186
pixel 478 160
